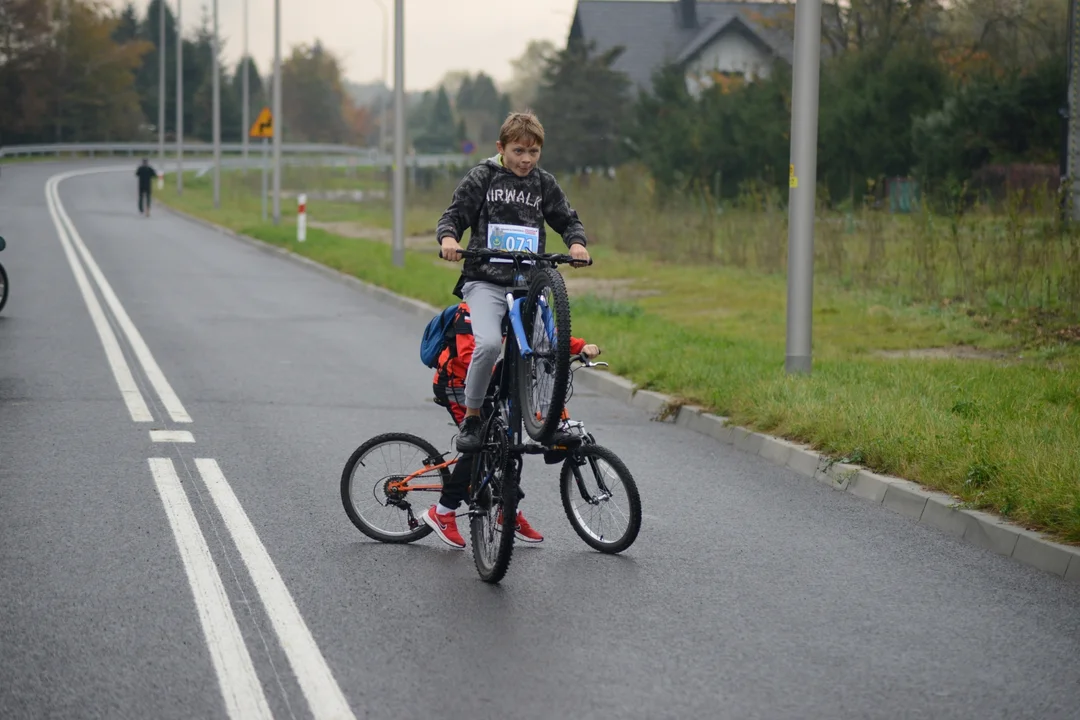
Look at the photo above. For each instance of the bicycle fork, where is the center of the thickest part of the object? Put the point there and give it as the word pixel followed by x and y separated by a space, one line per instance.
pixel 514 307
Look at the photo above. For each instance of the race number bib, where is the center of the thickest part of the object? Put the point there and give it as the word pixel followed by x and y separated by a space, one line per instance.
pixel 512 238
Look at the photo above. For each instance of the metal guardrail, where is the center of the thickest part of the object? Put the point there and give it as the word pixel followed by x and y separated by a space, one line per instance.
pixel 357 155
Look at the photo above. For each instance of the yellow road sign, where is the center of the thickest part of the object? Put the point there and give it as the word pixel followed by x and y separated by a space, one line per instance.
pixel 263 127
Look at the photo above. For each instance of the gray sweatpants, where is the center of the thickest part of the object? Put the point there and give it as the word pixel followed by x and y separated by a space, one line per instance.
pixel 487 308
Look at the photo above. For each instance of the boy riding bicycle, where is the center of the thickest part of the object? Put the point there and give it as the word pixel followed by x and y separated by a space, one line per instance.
pixel 448 385
pixel 506 193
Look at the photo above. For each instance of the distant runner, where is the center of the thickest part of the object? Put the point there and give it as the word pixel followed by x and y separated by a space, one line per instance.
pixel 145 174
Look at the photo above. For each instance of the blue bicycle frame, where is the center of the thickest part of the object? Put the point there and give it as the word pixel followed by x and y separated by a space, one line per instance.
pixel 514 305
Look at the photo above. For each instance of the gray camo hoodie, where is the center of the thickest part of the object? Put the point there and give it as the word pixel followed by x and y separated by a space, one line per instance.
pixel 492 193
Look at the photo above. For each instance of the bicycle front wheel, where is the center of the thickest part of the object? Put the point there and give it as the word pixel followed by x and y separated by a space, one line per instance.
pixel 381 481
pixel 3 287
pixel 600 498
pixel 544 376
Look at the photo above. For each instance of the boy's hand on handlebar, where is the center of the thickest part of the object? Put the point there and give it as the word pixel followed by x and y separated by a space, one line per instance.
pixel 590 351
pixel 451 249
pixel 579 253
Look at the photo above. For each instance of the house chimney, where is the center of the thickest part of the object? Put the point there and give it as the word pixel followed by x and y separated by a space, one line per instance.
pixel 688 14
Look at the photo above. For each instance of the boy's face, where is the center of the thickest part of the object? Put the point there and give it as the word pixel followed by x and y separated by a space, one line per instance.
pixel 520 156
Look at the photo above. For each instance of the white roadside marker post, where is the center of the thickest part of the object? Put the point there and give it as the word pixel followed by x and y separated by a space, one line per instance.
pixel 301 217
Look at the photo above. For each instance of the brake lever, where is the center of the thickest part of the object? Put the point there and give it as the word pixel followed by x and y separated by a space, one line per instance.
pixel 585 362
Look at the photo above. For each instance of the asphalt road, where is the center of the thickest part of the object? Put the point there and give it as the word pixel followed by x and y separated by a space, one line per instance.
pixel 221 577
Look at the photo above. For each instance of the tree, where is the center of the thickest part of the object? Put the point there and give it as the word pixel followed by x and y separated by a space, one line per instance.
pixel 361 125
pixel 481 108
pixel 198 83
pixel 880 24
pixel 528 74
pixel 583 103
pixel 439 135
pixel 26 54
pixel 1003 37
pixel 127 28
pixel 94 78
pixel 992 119
pixel 311 79
pixel 146 79
pixel 257 98
pixel 453 81
pixel 666 134
pixel 873 97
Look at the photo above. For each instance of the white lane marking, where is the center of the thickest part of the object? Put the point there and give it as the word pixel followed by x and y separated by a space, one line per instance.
pixel 313 674
pixel 240 687
pixel 176 436
pixel 129 390
pixel 153 372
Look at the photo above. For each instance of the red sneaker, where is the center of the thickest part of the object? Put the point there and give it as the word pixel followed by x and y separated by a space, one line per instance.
pixel 445 526
pixel 524 531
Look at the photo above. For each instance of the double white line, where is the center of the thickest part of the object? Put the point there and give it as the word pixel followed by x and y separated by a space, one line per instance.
pixel 241 689
pixel 129 390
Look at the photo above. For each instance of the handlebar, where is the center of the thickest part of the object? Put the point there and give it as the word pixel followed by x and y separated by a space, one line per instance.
pixel 555 258
pixel 586 362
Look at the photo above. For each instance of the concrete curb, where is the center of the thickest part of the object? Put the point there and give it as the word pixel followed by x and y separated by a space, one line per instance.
pixel 926 507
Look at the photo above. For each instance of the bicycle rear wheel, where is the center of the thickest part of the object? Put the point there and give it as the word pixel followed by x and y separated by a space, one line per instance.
pixel 544 377
pixel 493 510
pixel 371 486
pixel 600 498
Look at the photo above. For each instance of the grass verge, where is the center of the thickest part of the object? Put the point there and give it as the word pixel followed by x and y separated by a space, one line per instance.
pixel 996 425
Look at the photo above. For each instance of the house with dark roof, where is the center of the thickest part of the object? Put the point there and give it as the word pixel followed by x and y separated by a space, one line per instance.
pixel 705 37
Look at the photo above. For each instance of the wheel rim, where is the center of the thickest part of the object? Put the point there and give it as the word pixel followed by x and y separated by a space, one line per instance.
pixel 489 543
pixel 541 365
pixel 489 536
pixel 487 532
pixel 605 515
pixel 371 487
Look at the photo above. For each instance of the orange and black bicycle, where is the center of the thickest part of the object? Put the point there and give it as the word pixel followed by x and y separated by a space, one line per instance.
pixel 391 479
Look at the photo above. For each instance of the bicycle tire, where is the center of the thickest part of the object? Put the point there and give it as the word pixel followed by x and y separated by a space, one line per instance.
pixel 503 483
pixel 5 287
pixel 540 422
pixel 568 484
pixel 347 475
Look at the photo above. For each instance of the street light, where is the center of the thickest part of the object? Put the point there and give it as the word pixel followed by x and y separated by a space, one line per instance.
pixel 161 90
pixel 399 133
pixel 179 101
pixel 217 114
pixel 244 111
pixel 1072 143
pixel 276 110
pixel 803 185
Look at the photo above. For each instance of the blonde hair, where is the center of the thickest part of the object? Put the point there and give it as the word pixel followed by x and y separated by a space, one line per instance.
pixel 519 126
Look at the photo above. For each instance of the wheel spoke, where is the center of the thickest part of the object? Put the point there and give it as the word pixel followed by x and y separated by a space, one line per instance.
pixel 370 486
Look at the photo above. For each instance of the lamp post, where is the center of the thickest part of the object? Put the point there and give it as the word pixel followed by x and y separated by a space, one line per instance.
pixel 399 133
pixel 803 185
pixel 244 121
pixel 161 90
pixel 179 101
pixel 276 110
pixel 217 113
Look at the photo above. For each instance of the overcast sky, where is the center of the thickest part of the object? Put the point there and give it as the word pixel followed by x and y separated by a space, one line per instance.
pixel 440 35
